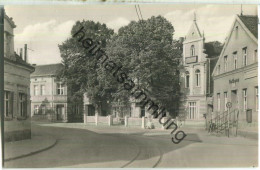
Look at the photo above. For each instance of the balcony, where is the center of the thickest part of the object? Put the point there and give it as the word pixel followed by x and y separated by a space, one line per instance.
pixel 193 59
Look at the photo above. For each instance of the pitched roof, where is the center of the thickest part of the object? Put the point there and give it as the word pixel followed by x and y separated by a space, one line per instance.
pixel 251 22
pixel 50 69
pixel 194 32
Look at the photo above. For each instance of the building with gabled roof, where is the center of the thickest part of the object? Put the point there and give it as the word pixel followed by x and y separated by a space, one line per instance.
pixel 199 59
pixel 50 96
pixel 17 70
pixel 236 72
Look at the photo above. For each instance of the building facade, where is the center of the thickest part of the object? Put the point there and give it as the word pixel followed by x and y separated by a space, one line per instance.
pixel 17 70
pixel 194 75
pixel 49 96
pixel 236 72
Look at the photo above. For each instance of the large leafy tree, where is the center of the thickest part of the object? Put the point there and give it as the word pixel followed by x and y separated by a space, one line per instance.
pixel 145 51
pixel 81 71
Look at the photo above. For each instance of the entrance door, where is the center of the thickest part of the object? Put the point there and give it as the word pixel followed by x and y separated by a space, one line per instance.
pixel 234 100
pixel 60 112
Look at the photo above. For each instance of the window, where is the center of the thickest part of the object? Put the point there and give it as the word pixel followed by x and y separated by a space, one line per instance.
pixel 225 63
pixel 192 110
pixel 245 98
pixel 60 89
pixel 36 109
pixel 142 112
pixel 42 89
pixel 192 50
pixel 35 88
pixel 218 100
pixel 22 104
pixel 187 79
pixel 225 98
pixel 43 109
pixel 244 53
pixel 256 98
pixel 197 73
pixel 235 59
pixel 255 56
pixel 7 103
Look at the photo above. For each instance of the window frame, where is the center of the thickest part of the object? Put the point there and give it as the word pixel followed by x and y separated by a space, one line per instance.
pixel 226 100
pixel 235 59
pixel 192 50
pixel 187 79
pixel 198 78
pixel 244 54
pixel 245 100
pixel 218 102
pixel 192 110
pixel 60 88
pixel 225 63
pixel 42 89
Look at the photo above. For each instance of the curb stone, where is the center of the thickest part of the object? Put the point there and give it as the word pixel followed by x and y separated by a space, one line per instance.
pixel 32 153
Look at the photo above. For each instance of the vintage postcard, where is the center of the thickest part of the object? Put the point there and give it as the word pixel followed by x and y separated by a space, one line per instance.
pixel 129 85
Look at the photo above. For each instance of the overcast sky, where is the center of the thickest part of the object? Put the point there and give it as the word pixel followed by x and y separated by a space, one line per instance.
pixel 44 27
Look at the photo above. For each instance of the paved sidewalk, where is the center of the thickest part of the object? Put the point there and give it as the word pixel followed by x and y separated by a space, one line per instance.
pixel 23 148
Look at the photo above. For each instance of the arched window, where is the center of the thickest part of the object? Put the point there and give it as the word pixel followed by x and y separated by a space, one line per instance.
pixel 187 79
pixel 192 50
pixel 197 73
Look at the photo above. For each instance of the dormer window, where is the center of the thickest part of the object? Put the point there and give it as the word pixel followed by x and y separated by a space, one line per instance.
pixel 192 50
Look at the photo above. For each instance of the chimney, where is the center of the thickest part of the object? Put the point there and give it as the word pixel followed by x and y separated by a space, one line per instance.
pixel 21 52
pixel 25 52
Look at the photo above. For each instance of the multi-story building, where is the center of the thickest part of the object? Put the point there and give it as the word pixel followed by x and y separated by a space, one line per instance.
pixel 199 59
pixel 49 95
pixel 235 74
pixel 17 70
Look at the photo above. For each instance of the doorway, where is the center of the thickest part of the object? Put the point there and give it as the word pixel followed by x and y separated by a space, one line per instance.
pixel 60 112
pixel 234 100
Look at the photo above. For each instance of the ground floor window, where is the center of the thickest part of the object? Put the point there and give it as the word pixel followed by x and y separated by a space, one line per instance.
pixel 245 99
pixel 226 100
pixel 36 109
pixel 43 109
pixel 7 103
pixel 192 110
pixel 218 100
pixel 22 104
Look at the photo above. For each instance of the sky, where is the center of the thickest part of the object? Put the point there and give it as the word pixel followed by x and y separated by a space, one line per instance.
pixel 44 27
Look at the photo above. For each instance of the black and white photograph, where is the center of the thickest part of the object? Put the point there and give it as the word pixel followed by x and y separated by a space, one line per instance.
pixel 135 85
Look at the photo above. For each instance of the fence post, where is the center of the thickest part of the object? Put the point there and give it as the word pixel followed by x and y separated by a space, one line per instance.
pixel 96 119
pixel 126 121
pixel 143 122
pixel 110 120
pixel 85 119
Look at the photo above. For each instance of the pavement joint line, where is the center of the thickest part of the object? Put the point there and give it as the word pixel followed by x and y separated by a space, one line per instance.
pixel 32 153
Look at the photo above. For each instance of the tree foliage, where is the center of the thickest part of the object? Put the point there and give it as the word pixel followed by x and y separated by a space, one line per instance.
pixel 144 50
